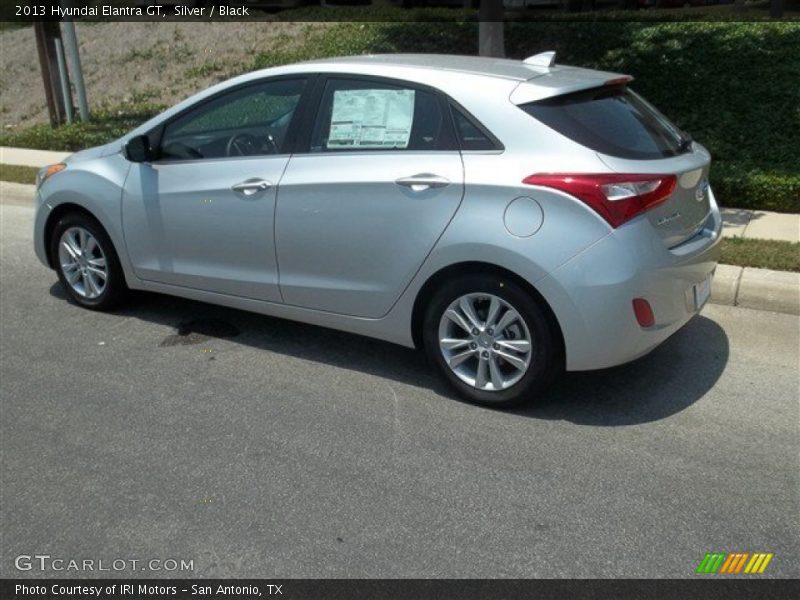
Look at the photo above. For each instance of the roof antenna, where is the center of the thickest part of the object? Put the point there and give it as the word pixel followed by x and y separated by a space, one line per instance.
pixel 543 59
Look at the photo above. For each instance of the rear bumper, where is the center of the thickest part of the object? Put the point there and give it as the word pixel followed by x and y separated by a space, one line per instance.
pixel 592 294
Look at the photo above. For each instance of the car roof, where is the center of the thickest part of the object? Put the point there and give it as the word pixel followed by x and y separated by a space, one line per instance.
pixel 533 82
pixel 460 76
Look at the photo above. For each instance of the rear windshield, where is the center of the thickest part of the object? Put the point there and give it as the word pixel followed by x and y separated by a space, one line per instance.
pixel 612 120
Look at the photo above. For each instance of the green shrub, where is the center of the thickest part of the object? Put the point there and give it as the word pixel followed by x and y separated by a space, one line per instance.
pixel 756 190
pixel 105 125
pixel 733 86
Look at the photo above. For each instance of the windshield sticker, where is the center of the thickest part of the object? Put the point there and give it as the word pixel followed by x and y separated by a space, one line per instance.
pixel 371 119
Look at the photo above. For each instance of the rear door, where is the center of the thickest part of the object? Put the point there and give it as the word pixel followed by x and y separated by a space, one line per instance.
pixel 632 137
pixel 362 207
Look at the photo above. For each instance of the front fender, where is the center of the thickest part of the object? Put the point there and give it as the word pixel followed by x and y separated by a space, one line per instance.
pixel 94 185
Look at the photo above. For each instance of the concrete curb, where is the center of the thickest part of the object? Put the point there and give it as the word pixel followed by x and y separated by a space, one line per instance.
pixel 761 289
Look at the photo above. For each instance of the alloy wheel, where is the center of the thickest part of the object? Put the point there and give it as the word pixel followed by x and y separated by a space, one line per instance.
pixel 485 341
pixel 83 262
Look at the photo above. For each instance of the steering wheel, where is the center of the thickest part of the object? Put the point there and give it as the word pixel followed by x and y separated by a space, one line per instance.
pixel 241 144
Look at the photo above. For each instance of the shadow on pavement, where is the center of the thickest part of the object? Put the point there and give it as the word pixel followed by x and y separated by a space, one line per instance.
pixel 671 378
pixel 739 217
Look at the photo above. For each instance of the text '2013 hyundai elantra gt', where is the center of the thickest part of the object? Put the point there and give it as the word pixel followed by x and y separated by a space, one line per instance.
pixel 514 218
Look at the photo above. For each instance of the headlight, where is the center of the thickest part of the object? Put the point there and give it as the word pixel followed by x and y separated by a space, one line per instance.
pixel 45 172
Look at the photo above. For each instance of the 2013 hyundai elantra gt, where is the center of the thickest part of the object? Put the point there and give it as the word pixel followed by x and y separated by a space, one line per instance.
pixel 514 218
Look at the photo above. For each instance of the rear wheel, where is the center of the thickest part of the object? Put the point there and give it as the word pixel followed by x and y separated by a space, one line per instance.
pixel 86 262
pixel 491 340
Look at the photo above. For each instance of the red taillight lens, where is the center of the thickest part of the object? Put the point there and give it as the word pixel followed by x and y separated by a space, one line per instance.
pixel 643 312
pixel 614 196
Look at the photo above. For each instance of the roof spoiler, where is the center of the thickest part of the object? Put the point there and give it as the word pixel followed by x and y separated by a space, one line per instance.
pixel 564 80
pixel 543 59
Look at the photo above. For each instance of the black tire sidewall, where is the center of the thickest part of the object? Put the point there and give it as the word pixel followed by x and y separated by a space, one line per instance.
pixel 543 361
pixel 115 286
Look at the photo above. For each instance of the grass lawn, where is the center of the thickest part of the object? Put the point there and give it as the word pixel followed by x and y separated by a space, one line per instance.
pixel 764 254
pixel 18 174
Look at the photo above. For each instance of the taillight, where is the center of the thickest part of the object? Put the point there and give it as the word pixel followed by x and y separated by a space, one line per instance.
pixel 616 197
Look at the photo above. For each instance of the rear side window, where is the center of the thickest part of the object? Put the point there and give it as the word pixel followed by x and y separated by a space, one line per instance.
pixel 470 136
pixel 611 120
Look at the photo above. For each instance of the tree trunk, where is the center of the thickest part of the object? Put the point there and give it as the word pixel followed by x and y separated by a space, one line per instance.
pixel 490 30
pixel 776 9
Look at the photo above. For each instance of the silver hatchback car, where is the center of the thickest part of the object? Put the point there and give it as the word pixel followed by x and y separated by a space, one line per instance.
pixel 514 218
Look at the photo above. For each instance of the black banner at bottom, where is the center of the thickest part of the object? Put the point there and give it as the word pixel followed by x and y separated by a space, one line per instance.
pixel 395 589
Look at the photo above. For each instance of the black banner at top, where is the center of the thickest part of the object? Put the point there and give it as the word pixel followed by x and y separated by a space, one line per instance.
pixel 394 10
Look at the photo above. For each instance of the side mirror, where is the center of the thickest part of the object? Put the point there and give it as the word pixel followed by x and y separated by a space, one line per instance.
pixel 138 149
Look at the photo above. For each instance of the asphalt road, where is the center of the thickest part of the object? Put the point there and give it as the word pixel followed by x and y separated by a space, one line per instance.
pixel 292 451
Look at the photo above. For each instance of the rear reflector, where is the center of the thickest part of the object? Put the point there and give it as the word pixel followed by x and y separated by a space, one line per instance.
pixel 616 197
pixel 643 312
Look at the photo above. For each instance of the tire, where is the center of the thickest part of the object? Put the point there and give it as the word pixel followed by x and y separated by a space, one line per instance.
pixel 78 266
pixel 485 293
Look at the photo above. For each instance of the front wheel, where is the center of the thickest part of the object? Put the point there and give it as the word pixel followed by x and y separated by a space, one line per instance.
pixel 491 340
pixel 86 262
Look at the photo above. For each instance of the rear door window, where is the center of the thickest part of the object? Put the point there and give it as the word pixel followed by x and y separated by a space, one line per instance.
pixel 611 120
pixel 371 115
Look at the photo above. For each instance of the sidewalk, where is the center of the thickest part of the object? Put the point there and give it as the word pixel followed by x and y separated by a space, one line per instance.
pixel 760 224
pixel 24 157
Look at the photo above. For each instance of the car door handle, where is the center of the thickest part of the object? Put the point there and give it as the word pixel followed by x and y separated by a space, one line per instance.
pixel 423 181
pixel 252 186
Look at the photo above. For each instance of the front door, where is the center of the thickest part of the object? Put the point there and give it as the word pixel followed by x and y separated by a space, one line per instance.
pixel 202 214
pixel 361 210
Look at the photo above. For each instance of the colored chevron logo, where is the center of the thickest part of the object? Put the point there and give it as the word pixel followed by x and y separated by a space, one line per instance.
pixel 734 563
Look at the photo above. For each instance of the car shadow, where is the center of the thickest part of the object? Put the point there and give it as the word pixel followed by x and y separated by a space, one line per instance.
pixel 739 217
pixel 671 378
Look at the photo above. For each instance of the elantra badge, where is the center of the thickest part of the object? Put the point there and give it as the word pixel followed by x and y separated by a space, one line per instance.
pixel 664 220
